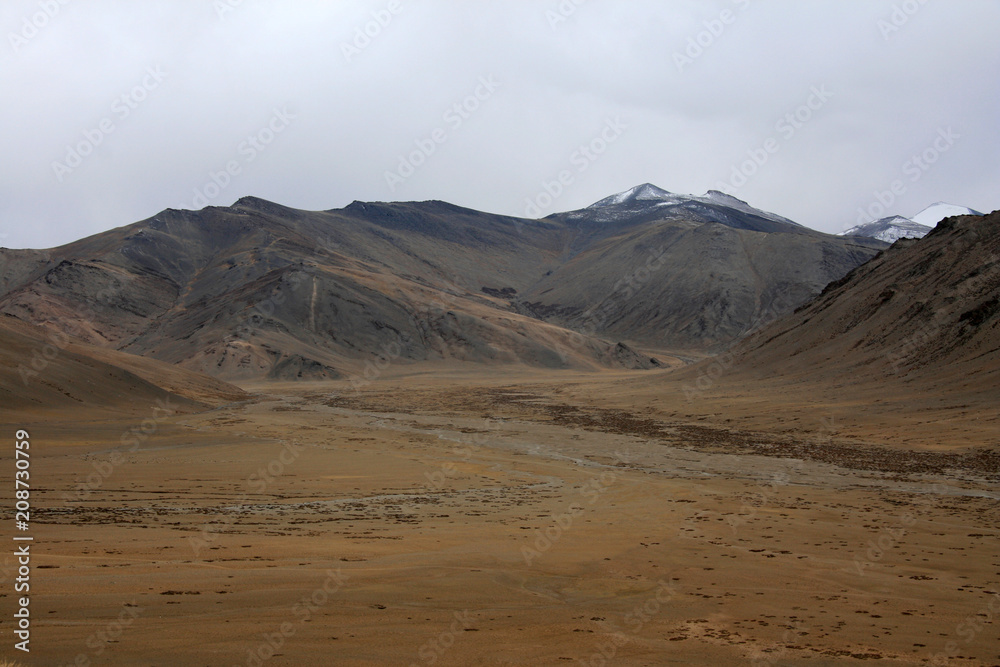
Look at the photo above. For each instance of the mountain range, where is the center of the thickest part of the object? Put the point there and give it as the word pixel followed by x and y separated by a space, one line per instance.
pixel 261 291
pixel 894 227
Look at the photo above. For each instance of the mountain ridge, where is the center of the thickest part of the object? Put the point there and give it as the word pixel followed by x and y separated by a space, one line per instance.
pixel 926 313
pixel 894 227
pixel 648 202
pixel 259 290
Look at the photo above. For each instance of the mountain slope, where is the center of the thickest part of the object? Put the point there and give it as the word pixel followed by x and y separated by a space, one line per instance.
pixel 705 269
pixel 925 313
pixel 39 371
pixel 258 290
pixel 701 285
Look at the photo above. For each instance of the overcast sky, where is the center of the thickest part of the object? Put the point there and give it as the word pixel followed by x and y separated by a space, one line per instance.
pixel 115 110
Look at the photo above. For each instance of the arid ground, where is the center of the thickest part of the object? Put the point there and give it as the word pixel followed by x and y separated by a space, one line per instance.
pixel 451 517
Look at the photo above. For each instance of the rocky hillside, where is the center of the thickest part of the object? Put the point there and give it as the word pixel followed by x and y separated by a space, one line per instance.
pixel 258 290
pixel 925 312
pixel 43 371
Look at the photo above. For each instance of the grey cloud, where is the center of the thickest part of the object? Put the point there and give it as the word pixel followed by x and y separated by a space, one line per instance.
pixel 690 123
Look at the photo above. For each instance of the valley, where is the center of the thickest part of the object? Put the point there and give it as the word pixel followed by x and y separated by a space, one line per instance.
pixel 523 518
pixel 363 334
pixel 660 430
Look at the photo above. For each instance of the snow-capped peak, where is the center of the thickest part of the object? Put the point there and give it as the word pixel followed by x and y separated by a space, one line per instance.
pixel 644 192
pixel 935 213
pixel 649 200
pixel 890 229
pixel 896 227
pixel 723 198
pixel 649 192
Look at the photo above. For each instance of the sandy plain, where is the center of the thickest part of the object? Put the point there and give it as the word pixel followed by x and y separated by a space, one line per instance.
pixel 449 517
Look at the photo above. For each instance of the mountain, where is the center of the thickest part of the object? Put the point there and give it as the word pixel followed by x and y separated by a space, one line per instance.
pixel 704 270
pixel 890 229
pixel 258 290
pixel 647 202
pixel 895 227
pixel 41 371
pixel 924 314
pixel 935 213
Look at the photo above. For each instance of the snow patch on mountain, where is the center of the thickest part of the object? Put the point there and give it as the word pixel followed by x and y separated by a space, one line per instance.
pixel 890 229
pixel 935 213
pixel 644 192
pixel 647 195
pixel 896 227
